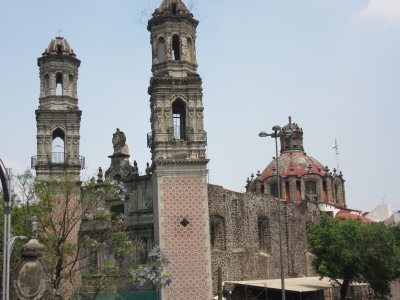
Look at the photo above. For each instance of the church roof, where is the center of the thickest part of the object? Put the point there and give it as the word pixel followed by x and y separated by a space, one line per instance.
pixel 348 215
pixel 294 163
pixel 59 46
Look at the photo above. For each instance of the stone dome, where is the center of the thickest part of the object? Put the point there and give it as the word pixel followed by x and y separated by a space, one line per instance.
pixel 59 46
pixel 294 163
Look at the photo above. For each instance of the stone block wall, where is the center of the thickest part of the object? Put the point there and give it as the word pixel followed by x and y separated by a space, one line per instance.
pixel 243 255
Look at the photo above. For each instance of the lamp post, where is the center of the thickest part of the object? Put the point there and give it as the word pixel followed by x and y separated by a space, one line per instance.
pixel 5 183
pixel 275 135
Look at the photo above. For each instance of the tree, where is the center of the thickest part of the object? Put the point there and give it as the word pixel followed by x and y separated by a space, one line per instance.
pixel 61 207
pixel 348 251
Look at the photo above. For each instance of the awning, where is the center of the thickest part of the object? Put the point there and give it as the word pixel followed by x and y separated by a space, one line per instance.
pixel 300 284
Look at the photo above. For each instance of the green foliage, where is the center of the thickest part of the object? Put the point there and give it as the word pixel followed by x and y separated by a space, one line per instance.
pixel 349 250
pixel 61 207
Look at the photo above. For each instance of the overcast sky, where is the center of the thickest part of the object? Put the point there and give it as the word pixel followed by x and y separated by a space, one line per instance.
pixel 333 65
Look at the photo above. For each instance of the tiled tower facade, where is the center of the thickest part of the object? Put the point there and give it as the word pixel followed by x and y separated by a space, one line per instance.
pixel 58 116
pixel 178 144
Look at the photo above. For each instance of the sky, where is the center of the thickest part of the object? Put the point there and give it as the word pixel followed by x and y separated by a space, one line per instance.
pixel 331 65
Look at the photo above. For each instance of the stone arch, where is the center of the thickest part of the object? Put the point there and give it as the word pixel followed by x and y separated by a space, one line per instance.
pixel 58 146
pixel 161 49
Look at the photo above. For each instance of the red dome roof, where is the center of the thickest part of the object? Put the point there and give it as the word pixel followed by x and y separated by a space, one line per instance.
pixel 294 163
pixel 348 215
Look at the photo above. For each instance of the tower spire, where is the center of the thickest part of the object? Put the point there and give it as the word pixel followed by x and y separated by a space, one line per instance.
pixel 178 146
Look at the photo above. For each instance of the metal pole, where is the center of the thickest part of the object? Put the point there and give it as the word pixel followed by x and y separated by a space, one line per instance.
pixel 282 260
pixel 219 283
pixel 5 183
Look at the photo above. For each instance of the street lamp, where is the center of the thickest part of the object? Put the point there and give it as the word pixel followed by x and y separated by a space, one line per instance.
pixel 275 134
pixel 9 242
pixel 5 183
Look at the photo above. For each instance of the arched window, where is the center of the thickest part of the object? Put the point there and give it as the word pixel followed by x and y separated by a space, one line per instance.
pixel 176 47
pixel 59 49
pixel 311 190
pixel 264 233
pixel 57 148
pixel 59 84
pixel 179 116
pixel 174 8
pixel 160 49
pixel 217 228
pixel 189 49
pixel 274 190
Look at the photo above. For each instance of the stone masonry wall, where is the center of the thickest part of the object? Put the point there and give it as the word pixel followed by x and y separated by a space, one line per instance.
pixel 243 256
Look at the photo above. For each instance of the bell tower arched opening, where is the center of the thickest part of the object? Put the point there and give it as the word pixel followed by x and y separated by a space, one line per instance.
pixel 59 84
pixel 179 119
pixel 174 8
pixel 176 47
pixel 58 147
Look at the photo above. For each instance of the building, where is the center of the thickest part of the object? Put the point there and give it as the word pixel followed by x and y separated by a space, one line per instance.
pixel 202 226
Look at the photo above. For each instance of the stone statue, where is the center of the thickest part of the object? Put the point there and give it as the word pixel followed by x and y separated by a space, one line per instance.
pixel 119 143
pixel 118 140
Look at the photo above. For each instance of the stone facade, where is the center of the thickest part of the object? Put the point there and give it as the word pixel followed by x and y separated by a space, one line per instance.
pixel 202 226
pixel 245 235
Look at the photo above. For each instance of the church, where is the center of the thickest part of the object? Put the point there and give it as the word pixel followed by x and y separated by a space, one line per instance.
pixel 202 226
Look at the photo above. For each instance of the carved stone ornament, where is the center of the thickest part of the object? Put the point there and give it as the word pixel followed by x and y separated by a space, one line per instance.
pixel 31 279
pixel 118 140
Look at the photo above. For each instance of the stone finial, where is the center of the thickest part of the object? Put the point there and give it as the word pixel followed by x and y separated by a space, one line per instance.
pixel 309 168
pixel 258 173
pixel 273 170
pixel 100 176
pixel 148 171
pixel 334 171
pixel 135 167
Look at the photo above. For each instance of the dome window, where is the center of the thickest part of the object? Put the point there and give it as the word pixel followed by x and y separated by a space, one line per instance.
pixel 274 190
pixel 311 190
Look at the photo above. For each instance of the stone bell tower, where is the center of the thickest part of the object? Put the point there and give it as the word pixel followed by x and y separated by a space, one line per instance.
pixel 178 145
pixel 58 116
